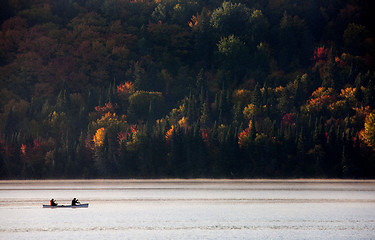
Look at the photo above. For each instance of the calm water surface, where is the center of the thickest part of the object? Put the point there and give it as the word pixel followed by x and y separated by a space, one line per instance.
pixel 189 209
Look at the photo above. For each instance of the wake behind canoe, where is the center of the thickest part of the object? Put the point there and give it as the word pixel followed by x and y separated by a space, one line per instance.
pixel 84 205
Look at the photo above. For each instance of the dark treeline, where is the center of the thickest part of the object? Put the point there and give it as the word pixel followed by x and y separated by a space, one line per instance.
pixel 187 88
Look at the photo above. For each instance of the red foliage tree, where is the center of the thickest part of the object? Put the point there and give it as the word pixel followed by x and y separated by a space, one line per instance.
pixel 108 107
pixel 320 54
pixel 289 118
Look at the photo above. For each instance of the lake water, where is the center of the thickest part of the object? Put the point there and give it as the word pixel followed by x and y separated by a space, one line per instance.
pixel 189 209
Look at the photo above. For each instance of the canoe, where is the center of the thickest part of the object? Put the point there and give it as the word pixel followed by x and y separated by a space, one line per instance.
pixel 84 205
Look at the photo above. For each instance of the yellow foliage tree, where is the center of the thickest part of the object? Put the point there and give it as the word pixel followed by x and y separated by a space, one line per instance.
pixel 322 91
pixel 109 121
pixel 183 123
pixel 99 137
pixel 249 111
pixel 242 96
pixel 368 133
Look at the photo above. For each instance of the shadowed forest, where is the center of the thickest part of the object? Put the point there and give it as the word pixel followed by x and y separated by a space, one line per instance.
pixel 187 89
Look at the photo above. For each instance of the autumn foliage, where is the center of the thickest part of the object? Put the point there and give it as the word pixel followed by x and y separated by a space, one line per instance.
pixel 107 108
pixel 368 134
pixel 320 54
pixel 187 89
pixel 99 137
pixel 245 138
pixel 125 89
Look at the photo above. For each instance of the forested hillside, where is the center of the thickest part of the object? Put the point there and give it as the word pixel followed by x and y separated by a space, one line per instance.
pixel 187 88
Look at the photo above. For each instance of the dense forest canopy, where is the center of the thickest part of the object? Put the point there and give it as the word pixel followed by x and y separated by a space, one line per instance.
pixel 187 88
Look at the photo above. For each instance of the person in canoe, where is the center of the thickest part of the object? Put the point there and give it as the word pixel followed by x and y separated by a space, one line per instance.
pixel 75 202
pixel 53 202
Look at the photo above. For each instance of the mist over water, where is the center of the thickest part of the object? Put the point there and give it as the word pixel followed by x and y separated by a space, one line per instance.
pixel 189 209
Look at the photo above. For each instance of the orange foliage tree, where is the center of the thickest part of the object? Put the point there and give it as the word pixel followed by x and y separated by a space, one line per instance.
pixel 125 89
pixel 168 134
pixel 322 97
pixel 99 137
pixel 245 138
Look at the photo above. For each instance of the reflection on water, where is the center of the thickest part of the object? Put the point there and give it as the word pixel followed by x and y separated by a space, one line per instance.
pixel 189 209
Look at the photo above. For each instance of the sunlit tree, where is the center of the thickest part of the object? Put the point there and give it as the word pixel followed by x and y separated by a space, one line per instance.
pixel 231 18
pixel 368 133
pixel 233 53
pixel 99 137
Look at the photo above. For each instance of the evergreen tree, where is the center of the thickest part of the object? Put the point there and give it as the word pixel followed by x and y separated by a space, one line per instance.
pixel 370 94
pixel 298 92
pixel 344 162
pixel 10 125
pixel 63 101
pixel 256 97
pixel 358 91
pixel 301 154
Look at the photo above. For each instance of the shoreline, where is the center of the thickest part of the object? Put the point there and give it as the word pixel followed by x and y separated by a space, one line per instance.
pixel 195 180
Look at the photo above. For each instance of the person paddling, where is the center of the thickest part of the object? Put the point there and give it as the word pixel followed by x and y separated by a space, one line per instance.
pixel 53 202
pixel 75 202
